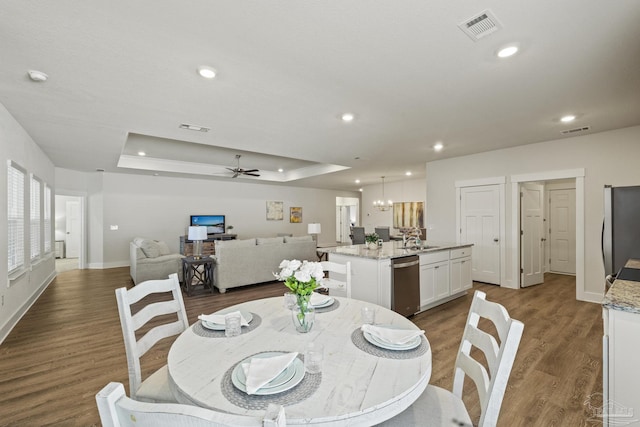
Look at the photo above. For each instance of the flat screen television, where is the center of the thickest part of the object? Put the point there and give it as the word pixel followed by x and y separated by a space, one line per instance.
pixel 214 223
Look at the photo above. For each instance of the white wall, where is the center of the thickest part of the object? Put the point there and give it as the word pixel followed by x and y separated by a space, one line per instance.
pixel 16 296
pixel 159 207
pixel 406 190
pixel 607 157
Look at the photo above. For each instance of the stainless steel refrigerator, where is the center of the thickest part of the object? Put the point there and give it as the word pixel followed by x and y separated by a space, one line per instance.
pixel 621 228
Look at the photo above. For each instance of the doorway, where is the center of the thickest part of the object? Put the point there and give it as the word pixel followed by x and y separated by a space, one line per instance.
pixel 69 232
pixel 346 217
pixel 574 176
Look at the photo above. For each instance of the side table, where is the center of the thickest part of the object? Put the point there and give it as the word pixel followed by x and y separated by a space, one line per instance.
pixel 191 271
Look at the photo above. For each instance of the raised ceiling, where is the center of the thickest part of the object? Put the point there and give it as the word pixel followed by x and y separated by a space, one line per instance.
pixel 123 73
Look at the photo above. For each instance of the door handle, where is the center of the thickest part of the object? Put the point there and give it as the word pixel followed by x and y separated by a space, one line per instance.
pixel 543 239
pixel 495 240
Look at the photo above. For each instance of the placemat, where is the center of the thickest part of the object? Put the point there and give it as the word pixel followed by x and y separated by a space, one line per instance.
pixel 332 307
pixel 358 339
pixel 302 391
pixel 200 330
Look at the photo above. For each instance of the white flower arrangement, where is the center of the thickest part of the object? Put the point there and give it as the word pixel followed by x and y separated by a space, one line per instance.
pixel 301 277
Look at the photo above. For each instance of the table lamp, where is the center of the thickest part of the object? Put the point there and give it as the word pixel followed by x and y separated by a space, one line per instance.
pixel 314 229
pixel 197 234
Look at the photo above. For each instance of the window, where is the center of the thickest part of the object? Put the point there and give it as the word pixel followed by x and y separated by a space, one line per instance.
pixel 15 216
pixel 47 219
pixel 35 216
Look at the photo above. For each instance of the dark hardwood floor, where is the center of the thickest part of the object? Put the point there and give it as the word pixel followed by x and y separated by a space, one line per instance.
pixel 69 345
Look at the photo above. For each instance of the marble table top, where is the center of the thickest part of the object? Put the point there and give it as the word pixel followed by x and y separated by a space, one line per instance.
pixel 624 295
pixel 357 388
pixel 391 249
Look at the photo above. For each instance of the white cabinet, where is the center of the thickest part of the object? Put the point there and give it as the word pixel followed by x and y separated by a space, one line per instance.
pixel 434 282
pixel 461 273
pixel 620 367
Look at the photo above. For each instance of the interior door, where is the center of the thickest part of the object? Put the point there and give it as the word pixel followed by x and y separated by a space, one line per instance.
pixel 562 231
pixel 480 225
pixel 531 234
pixel 72 239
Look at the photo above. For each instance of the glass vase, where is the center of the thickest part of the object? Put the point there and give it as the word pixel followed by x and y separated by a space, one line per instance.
pixel 303 318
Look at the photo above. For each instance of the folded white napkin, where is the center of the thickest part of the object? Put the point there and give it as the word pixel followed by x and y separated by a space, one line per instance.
pixel 391 336
pixel 318 299
pixel 218 319
pixel 259 371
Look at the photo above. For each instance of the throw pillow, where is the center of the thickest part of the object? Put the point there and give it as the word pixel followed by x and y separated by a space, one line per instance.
pixel 163 248
pixel 269 240
pixel 150 249
pixel 307 238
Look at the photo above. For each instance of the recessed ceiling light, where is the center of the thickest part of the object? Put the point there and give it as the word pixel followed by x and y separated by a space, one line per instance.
pixel 508 51
pixel 280 170
pixel 357 181
pixel 194 127
pixel 37 76
pixel 408 173
pixel 360 190
pixel 206 72
pixel 142 153
pixel 347 117
pixel 568 118
pixel 438 146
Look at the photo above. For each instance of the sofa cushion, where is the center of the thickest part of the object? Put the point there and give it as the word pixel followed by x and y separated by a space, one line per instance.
pixel 306 238
pixel 163 248
pixel 269 241
pixel 150 248
pixel 235 243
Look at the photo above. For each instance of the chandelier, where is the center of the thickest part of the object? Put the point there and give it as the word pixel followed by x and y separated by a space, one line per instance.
pixel 381 205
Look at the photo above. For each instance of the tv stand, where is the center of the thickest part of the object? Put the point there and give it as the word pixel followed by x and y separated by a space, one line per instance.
pixel 208 246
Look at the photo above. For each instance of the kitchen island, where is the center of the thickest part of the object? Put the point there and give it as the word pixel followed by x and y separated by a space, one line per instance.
pixel 444 271
pixel 620 348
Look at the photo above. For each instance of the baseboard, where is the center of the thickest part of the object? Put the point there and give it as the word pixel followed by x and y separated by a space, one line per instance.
pixel 103 265
pixel 594 297
pixel 15 318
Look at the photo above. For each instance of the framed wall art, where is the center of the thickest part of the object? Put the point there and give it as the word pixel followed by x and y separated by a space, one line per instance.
pixel 295 215
pixel 274 211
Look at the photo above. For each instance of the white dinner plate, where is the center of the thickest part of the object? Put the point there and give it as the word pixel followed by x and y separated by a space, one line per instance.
pixel 220 327
pixel 415 342
pixel 327 303
pixel 297 366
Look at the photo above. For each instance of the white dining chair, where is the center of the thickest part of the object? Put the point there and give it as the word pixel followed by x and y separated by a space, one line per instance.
pixel 118 410
pixel 155 388
pixel 439 407
pixel 331 282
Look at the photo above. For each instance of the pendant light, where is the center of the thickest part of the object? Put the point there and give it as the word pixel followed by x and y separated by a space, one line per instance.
pixel 381 205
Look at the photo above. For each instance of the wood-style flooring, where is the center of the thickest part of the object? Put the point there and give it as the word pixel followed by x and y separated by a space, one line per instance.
pixel 69 345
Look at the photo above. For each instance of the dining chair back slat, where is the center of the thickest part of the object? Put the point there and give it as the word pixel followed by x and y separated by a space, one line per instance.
pixel 343 283
pixel 158 388
pixel 118 410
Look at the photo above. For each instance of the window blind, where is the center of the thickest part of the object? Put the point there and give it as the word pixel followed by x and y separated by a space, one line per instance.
pixel 35 217
pixel 15 216
pixel 47 219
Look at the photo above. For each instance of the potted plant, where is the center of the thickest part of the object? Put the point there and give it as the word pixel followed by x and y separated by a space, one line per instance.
pixel 371 240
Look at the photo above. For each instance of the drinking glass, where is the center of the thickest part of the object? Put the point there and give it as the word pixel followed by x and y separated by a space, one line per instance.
pixel 313 355
pixel 368 315
pixel 290 300
pixel 232 325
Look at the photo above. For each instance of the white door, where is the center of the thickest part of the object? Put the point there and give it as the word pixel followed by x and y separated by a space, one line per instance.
pixel 480 225
pixel 72 239
pixel 562 231
pixel 531 234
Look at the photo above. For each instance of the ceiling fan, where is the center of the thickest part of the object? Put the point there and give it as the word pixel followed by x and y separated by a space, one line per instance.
pixel 239 171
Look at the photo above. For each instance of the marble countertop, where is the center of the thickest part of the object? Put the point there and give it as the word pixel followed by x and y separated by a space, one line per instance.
pixel 624 295
pixel 391 249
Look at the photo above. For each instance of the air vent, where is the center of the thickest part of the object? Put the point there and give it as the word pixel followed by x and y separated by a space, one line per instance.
pixel 575 130
pixel 481 25
pixel 194 127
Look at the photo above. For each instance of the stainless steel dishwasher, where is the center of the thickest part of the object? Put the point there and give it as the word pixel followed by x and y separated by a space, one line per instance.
pixel 405 285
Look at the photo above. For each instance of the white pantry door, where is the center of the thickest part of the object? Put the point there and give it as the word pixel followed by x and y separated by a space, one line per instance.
pixel 480 225
pixel 562 231
pixel 531 234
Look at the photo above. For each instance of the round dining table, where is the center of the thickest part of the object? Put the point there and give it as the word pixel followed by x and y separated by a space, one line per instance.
pixel 355 388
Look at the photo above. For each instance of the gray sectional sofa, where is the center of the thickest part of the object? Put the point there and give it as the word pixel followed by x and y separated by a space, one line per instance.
pixel 245 262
